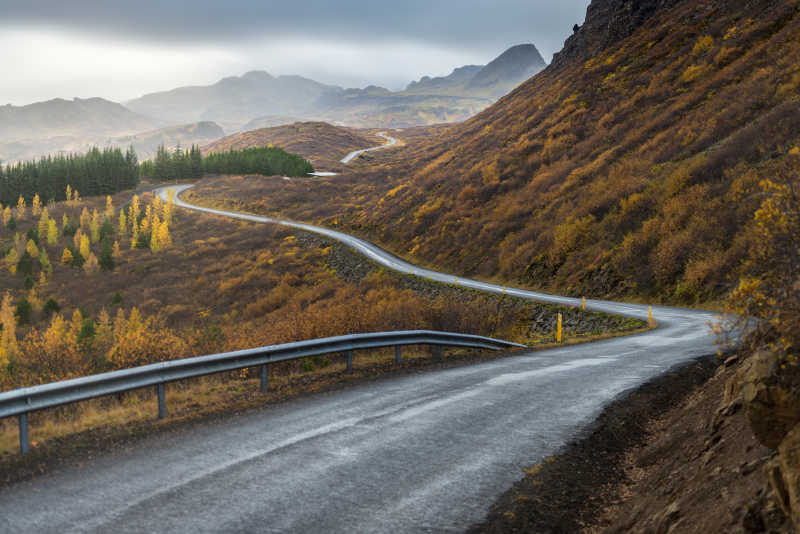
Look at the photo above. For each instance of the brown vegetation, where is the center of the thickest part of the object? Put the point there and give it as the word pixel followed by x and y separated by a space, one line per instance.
pixel 633 172
pixel 322 144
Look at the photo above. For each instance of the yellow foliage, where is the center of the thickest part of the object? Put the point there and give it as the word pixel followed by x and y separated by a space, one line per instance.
pixel 66 257
pixel 109 207
pixel 21 206
pixel 91 265
pixel 692 72
pixel 85 219
pixel 32 249
pixel 703 45
pixel 84 247
pixel 11 261
pixel 52 232
pixel 36 205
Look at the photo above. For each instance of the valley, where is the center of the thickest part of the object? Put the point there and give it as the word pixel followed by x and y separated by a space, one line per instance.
pixel 628 212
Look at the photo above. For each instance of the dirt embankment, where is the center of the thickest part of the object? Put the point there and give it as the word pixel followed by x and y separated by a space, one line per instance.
pixel 669 457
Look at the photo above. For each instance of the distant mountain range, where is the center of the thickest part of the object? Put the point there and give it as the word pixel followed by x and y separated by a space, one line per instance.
pixel 200 114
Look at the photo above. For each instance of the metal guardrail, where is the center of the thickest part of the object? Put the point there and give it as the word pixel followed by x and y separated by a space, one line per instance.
pixel 21 402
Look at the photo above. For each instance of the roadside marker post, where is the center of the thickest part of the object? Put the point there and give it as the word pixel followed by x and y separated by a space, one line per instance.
pixel 650 320
pixel 583 303
pixel 558 329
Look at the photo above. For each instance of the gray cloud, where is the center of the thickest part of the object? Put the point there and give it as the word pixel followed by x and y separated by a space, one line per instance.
pixel 122 49
pixel 467 24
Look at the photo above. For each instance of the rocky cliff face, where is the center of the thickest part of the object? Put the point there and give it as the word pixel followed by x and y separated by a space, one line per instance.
pixel 607 22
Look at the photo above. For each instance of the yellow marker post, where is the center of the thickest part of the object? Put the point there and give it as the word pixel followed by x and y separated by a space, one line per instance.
pixel 583 303
pixel 504 291
pixel 455 281
pixel 650 320
pixel 558 329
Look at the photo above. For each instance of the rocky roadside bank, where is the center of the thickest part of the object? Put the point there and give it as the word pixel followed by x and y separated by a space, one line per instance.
pixel 541 325
pixel 676 455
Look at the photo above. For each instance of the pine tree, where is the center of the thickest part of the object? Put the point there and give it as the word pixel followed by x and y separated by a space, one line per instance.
pixel 8 335
pixel 84 247
pixel 43 223
pixel 85 219
pixel 25 264
pixel 133 212
pixel 91 265
pixel 164 239
pixel 52 233
pixel 106 259
pixel 76 239
pixel 134 236
pixel 32 249
pixel 36 205
pixel 66 257
pixel 94 227
pixel 21 208
pixel 12 258
pixel 155 244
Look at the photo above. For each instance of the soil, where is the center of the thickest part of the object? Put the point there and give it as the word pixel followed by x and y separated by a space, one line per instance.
pixel 665 458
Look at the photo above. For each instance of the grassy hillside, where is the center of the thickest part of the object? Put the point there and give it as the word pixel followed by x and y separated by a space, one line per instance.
pixel 321 143
pixel 629 170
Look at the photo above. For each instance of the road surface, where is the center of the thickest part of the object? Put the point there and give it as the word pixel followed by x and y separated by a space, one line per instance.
pixel 421 453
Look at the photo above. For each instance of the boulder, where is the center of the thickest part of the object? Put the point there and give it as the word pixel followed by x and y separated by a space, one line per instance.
pixel 770 391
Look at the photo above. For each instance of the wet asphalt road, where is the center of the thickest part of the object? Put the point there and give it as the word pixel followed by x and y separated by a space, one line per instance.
pixel 422 453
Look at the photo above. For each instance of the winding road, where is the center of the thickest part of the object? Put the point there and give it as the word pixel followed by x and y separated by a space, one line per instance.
pixel 391 141
pixel 421 453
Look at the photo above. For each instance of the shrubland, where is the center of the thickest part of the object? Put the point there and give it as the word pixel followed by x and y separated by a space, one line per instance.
pixel 632 171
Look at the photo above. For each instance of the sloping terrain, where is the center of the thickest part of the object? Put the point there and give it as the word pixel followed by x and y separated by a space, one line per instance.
pixel 631 166
pixel 27 132
pixel 321 143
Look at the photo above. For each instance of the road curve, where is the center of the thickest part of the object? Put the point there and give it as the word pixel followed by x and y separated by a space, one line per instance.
pixel 421 453
pixel 391 141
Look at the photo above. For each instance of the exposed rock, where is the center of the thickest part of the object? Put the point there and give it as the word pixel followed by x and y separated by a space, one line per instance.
pixel 771 396
pixel 607 22
pixel 789 458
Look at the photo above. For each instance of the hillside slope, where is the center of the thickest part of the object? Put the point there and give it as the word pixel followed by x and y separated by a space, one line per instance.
pixel 321 143
pixel 630 166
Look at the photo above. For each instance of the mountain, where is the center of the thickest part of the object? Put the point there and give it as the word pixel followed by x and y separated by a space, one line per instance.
pixel 45 127
pixel 319 142
pixel 235 99
pixel 146 143
pixel 77 117
pixel 455 80
pixel 508 70
pixel 235 102
pixel 628 167
pixel 492 81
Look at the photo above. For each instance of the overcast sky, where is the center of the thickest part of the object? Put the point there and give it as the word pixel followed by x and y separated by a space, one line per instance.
pixel 122 49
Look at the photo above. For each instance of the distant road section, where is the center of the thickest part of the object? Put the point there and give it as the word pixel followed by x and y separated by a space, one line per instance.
pixel 352 155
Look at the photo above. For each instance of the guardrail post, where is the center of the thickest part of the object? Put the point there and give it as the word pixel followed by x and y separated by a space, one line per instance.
pixel 264 378
pixel 437 351
pixel 398 356
pixel 24 437
pixel 162 401
pixel 349 361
